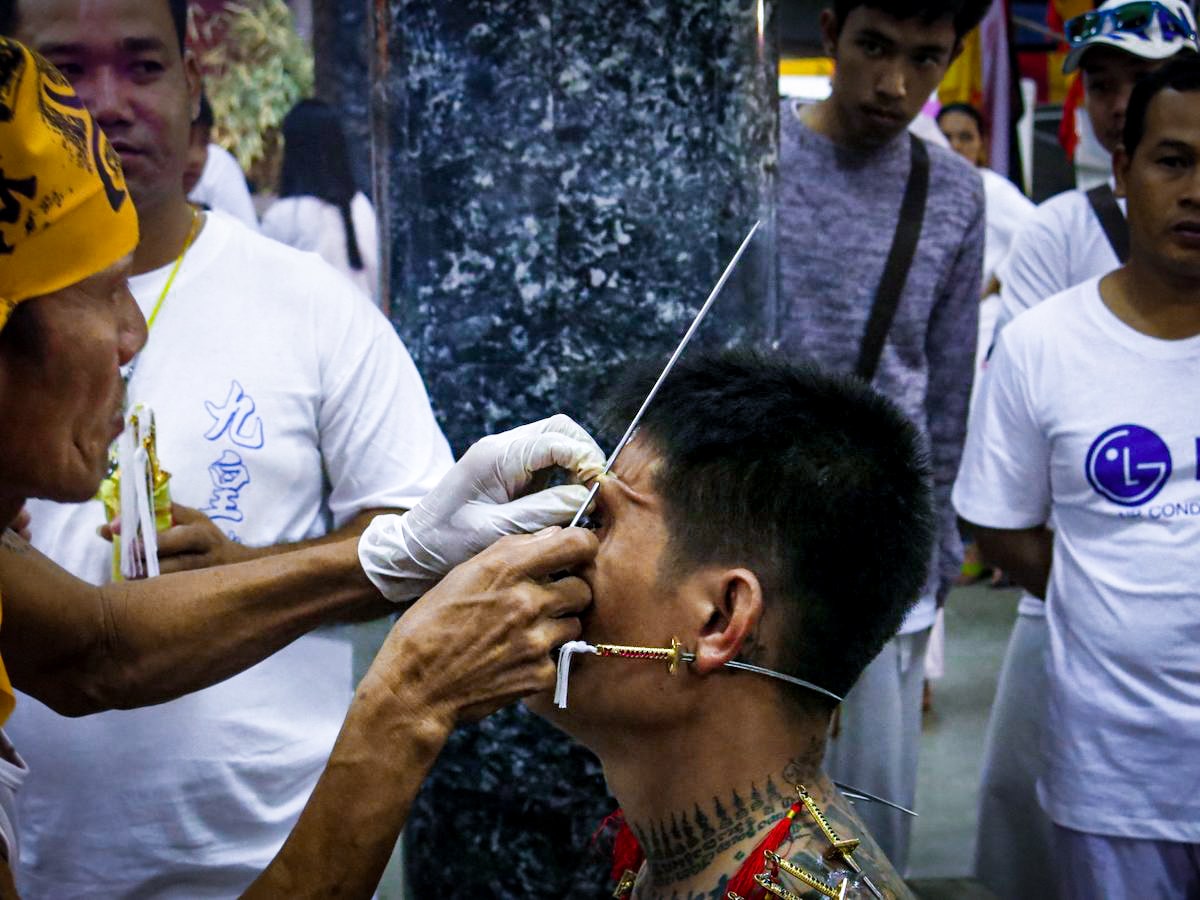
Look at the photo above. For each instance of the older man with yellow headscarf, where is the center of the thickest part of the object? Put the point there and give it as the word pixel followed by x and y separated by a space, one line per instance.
pixel 479 639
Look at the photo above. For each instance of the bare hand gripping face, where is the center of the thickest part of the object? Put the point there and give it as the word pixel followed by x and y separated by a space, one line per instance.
pixel 476 641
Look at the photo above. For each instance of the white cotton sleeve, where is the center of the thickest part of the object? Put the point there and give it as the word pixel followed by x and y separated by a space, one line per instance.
pixel 1004 478
pixel 380 443
pixel 1037 266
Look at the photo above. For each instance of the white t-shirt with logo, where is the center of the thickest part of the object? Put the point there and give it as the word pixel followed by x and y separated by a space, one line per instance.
pixel 285 405
pixel 1084 417
pixel 1062 244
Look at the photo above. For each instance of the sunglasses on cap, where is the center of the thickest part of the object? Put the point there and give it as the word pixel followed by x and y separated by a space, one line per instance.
pixel 1132 19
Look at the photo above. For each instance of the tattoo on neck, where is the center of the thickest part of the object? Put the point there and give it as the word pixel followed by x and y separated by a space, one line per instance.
pixel 684 845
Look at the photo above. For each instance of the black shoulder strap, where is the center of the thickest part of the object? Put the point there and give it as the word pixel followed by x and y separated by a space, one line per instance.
pixel 1112 220
pixel 899 261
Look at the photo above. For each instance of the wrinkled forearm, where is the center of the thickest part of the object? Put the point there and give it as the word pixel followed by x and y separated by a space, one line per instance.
pixel 82 649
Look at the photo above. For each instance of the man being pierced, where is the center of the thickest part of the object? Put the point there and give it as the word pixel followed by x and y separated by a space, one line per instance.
pixel 733 522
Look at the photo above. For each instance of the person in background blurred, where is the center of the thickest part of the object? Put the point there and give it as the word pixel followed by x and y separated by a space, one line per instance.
pixel 1007 210
pixel 319 209
pixel 213 179
pixel 1006 207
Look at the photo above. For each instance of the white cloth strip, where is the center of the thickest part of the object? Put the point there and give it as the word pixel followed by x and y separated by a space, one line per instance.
pixel 565 652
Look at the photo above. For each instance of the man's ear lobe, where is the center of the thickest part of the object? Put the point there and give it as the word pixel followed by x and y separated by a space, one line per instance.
pixel 736 613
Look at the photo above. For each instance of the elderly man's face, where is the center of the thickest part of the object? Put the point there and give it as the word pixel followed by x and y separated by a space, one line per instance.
pixel 61 393
pixel 633 603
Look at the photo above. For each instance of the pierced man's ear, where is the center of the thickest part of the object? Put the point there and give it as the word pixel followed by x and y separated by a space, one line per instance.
pixel 735 611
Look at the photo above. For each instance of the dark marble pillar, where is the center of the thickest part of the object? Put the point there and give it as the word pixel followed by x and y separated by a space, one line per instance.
pixel 560 184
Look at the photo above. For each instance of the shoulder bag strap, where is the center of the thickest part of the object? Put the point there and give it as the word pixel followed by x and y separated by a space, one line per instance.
pixel 899 261
pixel 1112 220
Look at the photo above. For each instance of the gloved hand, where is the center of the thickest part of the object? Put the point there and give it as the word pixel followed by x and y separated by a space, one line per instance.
pixel 486 496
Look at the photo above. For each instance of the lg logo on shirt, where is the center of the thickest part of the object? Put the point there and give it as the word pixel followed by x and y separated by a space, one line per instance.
pixel 1128 465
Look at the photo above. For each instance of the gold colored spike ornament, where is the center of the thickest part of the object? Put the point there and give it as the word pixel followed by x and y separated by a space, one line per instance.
pixel 838 847
pixel 672 655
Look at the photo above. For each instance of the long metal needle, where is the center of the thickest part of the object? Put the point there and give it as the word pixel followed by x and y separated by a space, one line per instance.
pixel 608 464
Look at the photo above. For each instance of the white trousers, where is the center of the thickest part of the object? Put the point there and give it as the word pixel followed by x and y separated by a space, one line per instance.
pixel 1014 850
pixel 1097 865
pixel 879 736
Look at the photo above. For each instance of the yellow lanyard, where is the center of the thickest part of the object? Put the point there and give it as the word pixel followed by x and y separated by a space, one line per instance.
pixel 162 298
pixel 187 245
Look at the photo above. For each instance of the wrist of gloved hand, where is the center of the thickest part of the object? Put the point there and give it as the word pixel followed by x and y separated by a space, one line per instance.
pixel 480 500
pixel 403 567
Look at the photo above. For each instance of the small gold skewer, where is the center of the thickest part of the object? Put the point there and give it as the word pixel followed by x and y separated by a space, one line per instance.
pixel 672 655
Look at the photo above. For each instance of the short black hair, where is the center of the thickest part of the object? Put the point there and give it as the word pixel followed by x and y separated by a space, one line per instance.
pixel 967 110
pixel 179 14
pixel 815 482
pixel 1182 73
pixel 965 13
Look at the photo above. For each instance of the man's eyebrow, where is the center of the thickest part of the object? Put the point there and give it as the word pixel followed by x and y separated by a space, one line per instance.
pixel 61 48
pixel 128 45
pixel 874 35
pixel 1175 144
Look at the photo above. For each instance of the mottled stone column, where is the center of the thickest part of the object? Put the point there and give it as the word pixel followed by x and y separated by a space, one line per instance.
pixel 560 184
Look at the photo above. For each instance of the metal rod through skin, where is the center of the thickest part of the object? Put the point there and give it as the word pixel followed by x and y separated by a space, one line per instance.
pixel 665 372
pixel 770 673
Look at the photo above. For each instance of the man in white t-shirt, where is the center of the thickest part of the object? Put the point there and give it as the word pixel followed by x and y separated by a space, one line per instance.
pixel 288 412
pixel 1063 244
pixel 1080 422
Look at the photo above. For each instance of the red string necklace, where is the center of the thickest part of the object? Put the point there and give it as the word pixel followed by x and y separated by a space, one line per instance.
pixel 628 855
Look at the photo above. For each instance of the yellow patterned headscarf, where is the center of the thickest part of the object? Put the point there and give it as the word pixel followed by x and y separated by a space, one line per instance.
pixel 65 213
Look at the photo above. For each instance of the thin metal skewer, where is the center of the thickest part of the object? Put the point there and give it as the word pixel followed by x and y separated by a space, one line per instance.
pixel 665 372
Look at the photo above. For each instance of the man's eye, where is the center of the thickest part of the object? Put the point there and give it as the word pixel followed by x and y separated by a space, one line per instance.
pixel 1172 162
pixel 69 70
pixel 870 47
pixel 147 67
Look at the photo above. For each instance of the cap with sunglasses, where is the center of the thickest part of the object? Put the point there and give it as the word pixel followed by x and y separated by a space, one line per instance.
pixel 1151 29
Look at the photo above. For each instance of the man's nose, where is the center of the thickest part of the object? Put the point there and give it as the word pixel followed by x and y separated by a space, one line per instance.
pixel 892 83
pixel 132 333
pixel 103 93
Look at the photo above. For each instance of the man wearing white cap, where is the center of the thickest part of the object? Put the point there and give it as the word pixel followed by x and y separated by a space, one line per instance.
pixel 1070 238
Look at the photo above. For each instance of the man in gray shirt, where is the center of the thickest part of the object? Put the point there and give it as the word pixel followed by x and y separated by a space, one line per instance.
pixel 845 166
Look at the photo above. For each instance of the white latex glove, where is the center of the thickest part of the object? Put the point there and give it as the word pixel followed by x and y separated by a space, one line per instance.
pixel 482 499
